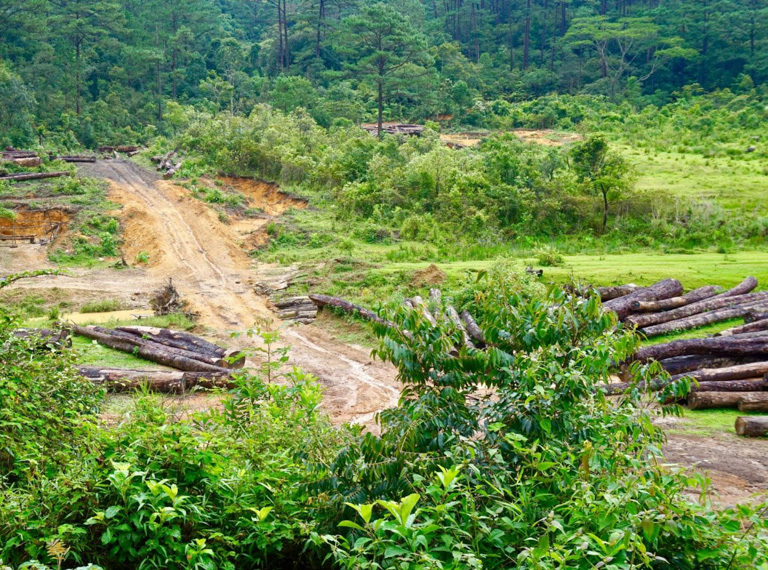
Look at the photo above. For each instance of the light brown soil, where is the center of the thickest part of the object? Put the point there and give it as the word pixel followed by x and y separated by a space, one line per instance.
pixel 264 195
pixel 33 222
pixel 186 241
pixel 431 275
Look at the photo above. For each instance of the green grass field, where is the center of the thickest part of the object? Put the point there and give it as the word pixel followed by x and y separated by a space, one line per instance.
pixel 734 183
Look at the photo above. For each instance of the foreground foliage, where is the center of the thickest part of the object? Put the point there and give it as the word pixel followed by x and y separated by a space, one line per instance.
pixel 505 457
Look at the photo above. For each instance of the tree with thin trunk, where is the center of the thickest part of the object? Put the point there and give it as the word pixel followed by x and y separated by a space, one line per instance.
pixel 384 50
pixel 601 172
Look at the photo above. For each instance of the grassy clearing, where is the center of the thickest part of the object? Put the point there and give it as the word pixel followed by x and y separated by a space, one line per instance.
pixel 734 182
pixel 709 423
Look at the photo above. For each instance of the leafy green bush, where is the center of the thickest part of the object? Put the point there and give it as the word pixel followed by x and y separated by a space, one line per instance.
pixel 513 456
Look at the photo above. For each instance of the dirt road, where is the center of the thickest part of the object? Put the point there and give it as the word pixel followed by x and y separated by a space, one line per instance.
pixel 185 240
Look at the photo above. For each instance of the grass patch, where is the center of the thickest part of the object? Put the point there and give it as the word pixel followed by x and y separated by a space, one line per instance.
pixel 103 306
pixel 90 353
pixel 709 423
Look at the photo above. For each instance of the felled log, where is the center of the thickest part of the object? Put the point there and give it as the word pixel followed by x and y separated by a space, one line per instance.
pixel 742 288
pixel 106 149
pixel 436 298
pixel 33 176
pixel 46 337
pixel 11 153
pixel 164 163
pixel 76 158
pixel 347 307
pixel 674 302
pixel 129 148
pixel 700 319
pixel 418 303
pixel 756 315
pixel 730 346
pixel 611 293
pixel 682 364
pixel 124 380
pixel 714 400
pixel 751 426
pixel 711 304
pixel 663 289
pixel 149 351
pixel 29 162
pixel 186 341
pixel 745 385
pixel 453 316
pixel 754 402
pixel 753 326
pixel 738 372
pixel 472 328
pixel 172 169
pixel 206 357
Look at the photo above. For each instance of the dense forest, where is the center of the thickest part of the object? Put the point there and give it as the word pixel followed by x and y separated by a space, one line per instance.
pixel 96 71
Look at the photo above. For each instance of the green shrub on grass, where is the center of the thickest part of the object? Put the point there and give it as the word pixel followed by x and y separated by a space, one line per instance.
pixel 102 306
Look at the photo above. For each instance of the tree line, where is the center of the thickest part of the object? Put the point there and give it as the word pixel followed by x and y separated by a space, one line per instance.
pixel 89 70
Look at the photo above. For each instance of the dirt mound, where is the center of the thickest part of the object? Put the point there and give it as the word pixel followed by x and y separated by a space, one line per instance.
pixel 38 223
pixel 264 195
pixel 139 232
pixel 432 275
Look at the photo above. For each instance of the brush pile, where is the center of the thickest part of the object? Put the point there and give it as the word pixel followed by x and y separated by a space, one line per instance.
pixel 168 301
pixel 169 164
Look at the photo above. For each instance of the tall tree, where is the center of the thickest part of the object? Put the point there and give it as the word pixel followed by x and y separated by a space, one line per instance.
pixel 384 50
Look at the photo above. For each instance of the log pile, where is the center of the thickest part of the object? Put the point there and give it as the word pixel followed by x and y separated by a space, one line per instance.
pixel 299 309
pixel 201 363
pixel 75 158
pixel 169 164
pixel 19 177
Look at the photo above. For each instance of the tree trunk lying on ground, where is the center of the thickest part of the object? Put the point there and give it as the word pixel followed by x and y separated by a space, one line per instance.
pixel 701 319
pixel 611 293
pixel 46 337
pixel 76 158
pixel 730 346
pixel 755 315
pixel 711 304
pixel 750 426
pixel 674 302
pixel 154 352
pixel 663 289
pixel 682 364
pixel 714 400
pixel 124 380
pixel 750 327
pixel 33 176
pixel 454 317
pixel 472 327
pixel 744 385
pixel 754 402
pixel 300 309
pixel 346 306
pixel 185 341
pixel 738 372
pixel 29 162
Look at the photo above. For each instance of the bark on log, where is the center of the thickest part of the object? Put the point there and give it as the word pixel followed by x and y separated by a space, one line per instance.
pixel 754 316
pixel 33 176
pixel 742 288
pixel 453 316
pixel 701 319
pixel 711 304
pixel 149 351
pixel 751 327
pixel 76 158
pixel 753 370
pixel 346 306
pixel 730 346
pixel 750 426
pixel 674 302
pixel 472 328
pixel 29 162
pixel 419 303
pixel 129 148
pixel 179 339
pixel 754 402
pixel 123 380
pixel 197 350
pixel 663 289
pixel 436 298
pixel 682 364
pixel 611 293
pixel 745 385
pixel 714 400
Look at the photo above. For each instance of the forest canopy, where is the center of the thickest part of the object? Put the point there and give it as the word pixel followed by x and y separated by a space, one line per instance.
pixel 89 72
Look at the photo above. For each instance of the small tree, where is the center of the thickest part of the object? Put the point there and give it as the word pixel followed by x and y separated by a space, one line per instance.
pixel 601 172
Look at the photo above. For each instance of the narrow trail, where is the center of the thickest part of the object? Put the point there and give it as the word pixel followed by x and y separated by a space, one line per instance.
pixel 188 243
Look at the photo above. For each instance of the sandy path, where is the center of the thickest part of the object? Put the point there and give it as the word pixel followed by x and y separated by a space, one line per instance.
pixel 187 242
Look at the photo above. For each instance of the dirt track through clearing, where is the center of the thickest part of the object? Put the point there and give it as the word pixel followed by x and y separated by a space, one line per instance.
pixel 187 242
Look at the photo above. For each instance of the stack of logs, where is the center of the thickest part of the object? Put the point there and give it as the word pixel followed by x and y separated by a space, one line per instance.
pixel 730 368
pixel 168 163
pixel 299 309
pixel 201 363
pixel 26 159
pixel 110 151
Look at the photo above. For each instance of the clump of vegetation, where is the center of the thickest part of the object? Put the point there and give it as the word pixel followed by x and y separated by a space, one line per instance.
pixel 102 306
pixel 549 257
